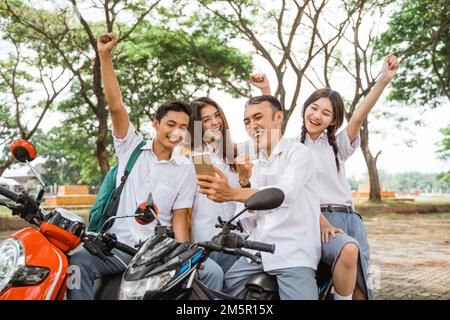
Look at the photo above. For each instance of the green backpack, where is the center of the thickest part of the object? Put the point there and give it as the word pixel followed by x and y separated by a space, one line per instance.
pixel 107 200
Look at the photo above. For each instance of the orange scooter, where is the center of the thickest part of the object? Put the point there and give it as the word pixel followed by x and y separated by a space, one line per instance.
pixel 34 261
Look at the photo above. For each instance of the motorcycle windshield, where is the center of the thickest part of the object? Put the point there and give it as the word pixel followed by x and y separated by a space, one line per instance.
pixel 154 249
pixel 152 254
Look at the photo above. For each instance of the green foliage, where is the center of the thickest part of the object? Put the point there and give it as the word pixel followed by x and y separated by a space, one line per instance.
pixel 419 31
pixel 444 151
pixel 155 64
pixel 409 181
pixel 444 145
pixel 70 156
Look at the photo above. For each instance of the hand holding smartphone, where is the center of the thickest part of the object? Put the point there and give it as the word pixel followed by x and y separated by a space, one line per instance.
pixel 203 163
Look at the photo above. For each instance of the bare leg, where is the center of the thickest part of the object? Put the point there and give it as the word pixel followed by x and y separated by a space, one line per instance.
pixel 344 274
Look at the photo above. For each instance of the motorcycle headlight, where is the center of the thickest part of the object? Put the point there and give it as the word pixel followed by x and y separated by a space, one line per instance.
pixel 12 257
pixel 135 290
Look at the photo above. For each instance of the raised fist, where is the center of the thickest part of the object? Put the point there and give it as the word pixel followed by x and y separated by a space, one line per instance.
pixel 106 43
pixel 390 67
pixel 259 80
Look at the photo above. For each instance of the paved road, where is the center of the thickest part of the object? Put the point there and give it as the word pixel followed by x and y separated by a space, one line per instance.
pixel 411 255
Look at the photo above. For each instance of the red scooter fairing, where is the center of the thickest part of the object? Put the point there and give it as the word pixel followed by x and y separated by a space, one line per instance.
pixel 39 252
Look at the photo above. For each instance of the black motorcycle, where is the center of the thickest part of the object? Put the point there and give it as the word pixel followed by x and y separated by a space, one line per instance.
pixel 164 269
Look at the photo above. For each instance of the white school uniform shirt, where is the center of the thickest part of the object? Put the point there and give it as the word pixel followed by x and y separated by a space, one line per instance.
pixel 294 226
pixel 171 182
pixel 334 188
pixel 205 211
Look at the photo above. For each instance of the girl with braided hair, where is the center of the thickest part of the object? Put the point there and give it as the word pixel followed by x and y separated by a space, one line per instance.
pixel 347 250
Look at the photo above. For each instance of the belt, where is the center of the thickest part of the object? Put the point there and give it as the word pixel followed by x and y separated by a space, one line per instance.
pixel 331 209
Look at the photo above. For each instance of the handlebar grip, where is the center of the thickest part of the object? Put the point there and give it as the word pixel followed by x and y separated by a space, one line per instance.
pixel 9 194
pixel 210 246
pixel 259 246
pixel 126 249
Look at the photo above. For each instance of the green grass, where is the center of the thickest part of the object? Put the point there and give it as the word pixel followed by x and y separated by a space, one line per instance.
pixel 5 212
pixel 434 201
pixel 392 202
pixel 406 216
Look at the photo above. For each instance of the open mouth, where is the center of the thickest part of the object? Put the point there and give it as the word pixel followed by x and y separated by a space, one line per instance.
pixel 216 131
pixel 174 138
pixel 258 134
pixel 314 123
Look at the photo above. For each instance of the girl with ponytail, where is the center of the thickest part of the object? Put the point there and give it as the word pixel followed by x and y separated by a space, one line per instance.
pixel 347 251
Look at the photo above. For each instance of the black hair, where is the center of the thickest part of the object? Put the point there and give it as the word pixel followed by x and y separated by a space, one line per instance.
pixel 276 104
pixel 338 116
pixel 177 106
pixel 229 150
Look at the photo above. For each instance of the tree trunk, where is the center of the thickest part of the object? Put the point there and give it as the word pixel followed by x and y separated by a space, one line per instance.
pixel 371 161
pixel 102 117
pixel 6 165
pixel 285 121
pixel 102 142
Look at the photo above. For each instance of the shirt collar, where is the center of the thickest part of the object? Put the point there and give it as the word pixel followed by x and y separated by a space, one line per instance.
pixel 323 136
pixel 174 157
pixel 279 148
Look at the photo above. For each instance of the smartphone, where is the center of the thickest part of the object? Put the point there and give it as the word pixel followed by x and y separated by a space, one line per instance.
pixel 203 163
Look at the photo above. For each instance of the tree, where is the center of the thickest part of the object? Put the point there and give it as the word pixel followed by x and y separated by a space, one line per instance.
pixel 419 33
pixel 444 151
pixel 292 35
pixel 23 75
pixel 154 64
pixel 73 44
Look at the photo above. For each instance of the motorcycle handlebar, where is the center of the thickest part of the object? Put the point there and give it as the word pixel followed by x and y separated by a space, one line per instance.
pixel 210 245
pixel 126 249
pixel 259 246
pixel 9 194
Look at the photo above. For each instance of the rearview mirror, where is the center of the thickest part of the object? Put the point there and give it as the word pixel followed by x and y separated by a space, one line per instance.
pixel 265 199
pixel 147 211
pixel 23 150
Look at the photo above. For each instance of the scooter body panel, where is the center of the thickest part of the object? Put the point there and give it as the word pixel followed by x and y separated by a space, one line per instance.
pixel 40 252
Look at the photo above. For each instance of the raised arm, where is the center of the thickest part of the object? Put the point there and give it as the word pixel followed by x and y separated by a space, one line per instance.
pixel 260 81
pixel 390 67
pixel 119 114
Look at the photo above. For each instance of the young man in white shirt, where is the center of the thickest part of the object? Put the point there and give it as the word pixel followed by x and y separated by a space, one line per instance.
pixel 161 170
pixel 294 226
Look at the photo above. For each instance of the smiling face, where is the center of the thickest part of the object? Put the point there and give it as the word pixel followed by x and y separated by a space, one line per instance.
pixel 263 123
pixel 212 123
pixel 319 115
pixel 171 129
pixel 323 110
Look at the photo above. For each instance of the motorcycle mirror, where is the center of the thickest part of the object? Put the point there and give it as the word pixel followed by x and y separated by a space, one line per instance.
pixel 23 150
pixel 265 199
pixel 146 212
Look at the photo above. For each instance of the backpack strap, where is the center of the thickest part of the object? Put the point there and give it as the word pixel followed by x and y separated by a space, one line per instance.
pixel 113 205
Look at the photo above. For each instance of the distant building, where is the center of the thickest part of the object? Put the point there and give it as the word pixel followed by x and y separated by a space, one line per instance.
pixel 20 176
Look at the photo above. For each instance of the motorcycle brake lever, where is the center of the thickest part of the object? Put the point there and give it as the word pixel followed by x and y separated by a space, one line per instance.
pixel 8 205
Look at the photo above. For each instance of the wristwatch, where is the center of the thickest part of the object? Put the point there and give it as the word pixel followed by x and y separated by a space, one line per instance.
pixel 248 185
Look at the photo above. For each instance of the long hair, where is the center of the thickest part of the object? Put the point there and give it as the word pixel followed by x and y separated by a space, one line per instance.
pixel 228 147
pixel 338 117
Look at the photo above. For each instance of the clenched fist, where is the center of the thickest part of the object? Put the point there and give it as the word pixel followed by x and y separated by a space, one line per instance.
pixel 390 67
pixel 106 43
pixel 259 80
